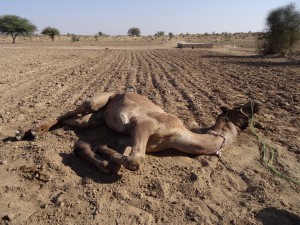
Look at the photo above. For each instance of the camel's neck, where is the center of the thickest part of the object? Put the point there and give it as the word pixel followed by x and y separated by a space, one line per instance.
pixel 206 143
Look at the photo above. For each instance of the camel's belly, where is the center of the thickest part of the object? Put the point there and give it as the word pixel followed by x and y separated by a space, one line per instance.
pixel 118 121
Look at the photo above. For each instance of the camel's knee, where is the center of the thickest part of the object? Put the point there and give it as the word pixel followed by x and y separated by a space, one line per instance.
pixel 80 147
pixel 98 101
pixel 87 106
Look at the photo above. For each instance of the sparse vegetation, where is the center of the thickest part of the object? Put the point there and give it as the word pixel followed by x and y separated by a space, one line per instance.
pixel 50 31
pixel 171 35
pixel 159 33
pixel 35 78
pixel 15 25
pixel 74 38
pixel 282 32
pixel 134 31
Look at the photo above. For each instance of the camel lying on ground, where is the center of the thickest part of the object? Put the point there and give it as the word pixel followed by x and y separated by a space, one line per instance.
pixel 149 128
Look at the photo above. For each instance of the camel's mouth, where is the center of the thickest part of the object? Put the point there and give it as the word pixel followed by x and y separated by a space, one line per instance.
pixel 251 108
pixel 241 115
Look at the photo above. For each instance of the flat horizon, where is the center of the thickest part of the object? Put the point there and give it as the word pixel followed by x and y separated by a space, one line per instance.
pixel 115 17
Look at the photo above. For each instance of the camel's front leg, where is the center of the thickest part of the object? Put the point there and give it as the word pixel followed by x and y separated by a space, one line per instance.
pixel 141 130
pixel 111 154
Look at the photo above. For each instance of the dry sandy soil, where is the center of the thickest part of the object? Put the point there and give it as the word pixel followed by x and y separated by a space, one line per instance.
pixel 43 182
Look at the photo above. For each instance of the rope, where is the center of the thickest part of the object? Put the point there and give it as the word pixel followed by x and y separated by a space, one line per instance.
pixel 267 149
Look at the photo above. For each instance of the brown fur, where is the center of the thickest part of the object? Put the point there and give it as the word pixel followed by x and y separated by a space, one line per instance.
pixel 149 127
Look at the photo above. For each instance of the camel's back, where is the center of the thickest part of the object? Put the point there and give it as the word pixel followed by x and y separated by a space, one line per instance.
pixel 123 107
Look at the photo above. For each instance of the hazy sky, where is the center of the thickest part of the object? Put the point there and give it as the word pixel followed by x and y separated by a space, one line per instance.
pixel 117 16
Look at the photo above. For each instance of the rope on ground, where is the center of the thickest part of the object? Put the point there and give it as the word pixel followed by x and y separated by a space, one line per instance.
pixel 268 150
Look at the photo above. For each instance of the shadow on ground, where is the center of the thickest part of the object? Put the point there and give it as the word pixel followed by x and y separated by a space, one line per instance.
pixel 274 216
pixel 87 170
pixel 82 168
pixel 255 60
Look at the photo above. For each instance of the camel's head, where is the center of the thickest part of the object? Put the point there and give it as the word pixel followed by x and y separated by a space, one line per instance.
pixel 240 115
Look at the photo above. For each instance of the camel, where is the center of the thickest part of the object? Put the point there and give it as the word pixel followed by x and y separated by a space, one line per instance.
pixel 146 127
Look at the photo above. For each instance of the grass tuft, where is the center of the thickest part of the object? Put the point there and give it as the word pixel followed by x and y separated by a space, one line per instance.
pixel 268 153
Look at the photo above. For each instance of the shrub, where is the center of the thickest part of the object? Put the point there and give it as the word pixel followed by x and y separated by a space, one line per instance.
pixel 171 35
pixel 134 31
pixel 74 38
pixel 282 31
pixel 160 33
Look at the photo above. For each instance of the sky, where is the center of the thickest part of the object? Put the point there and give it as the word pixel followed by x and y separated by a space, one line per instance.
pixel 115 17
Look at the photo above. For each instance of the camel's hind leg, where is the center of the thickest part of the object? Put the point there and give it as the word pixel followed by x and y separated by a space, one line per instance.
pixel 89 106
pixel 92 120
pixel 84 151
pixel 112 155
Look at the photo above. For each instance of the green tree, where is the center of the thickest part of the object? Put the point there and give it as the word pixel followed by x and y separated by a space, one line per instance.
pixel 134 31
pixel 283 30
pixel 50 31
pixel 171 35
pixel 15 25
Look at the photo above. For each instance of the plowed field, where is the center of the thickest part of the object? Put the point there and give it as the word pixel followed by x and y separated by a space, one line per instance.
pixel 44 182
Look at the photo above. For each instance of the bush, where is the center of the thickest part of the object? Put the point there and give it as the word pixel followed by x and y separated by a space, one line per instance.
pixel 160 33
pixel 171 35
pixel 282 31
pixel 74 38
pixel 134 31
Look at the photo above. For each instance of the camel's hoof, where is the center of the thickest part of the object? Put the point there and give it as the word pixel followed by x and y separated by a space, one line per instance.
pixel 219 154
pixel 132 164
pixel 19 134
pixel 29 135
pixel 34 134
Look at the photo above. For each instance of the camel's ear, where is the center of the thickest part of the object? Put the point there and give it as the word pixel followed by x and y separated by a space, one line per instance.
pixel 224 109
